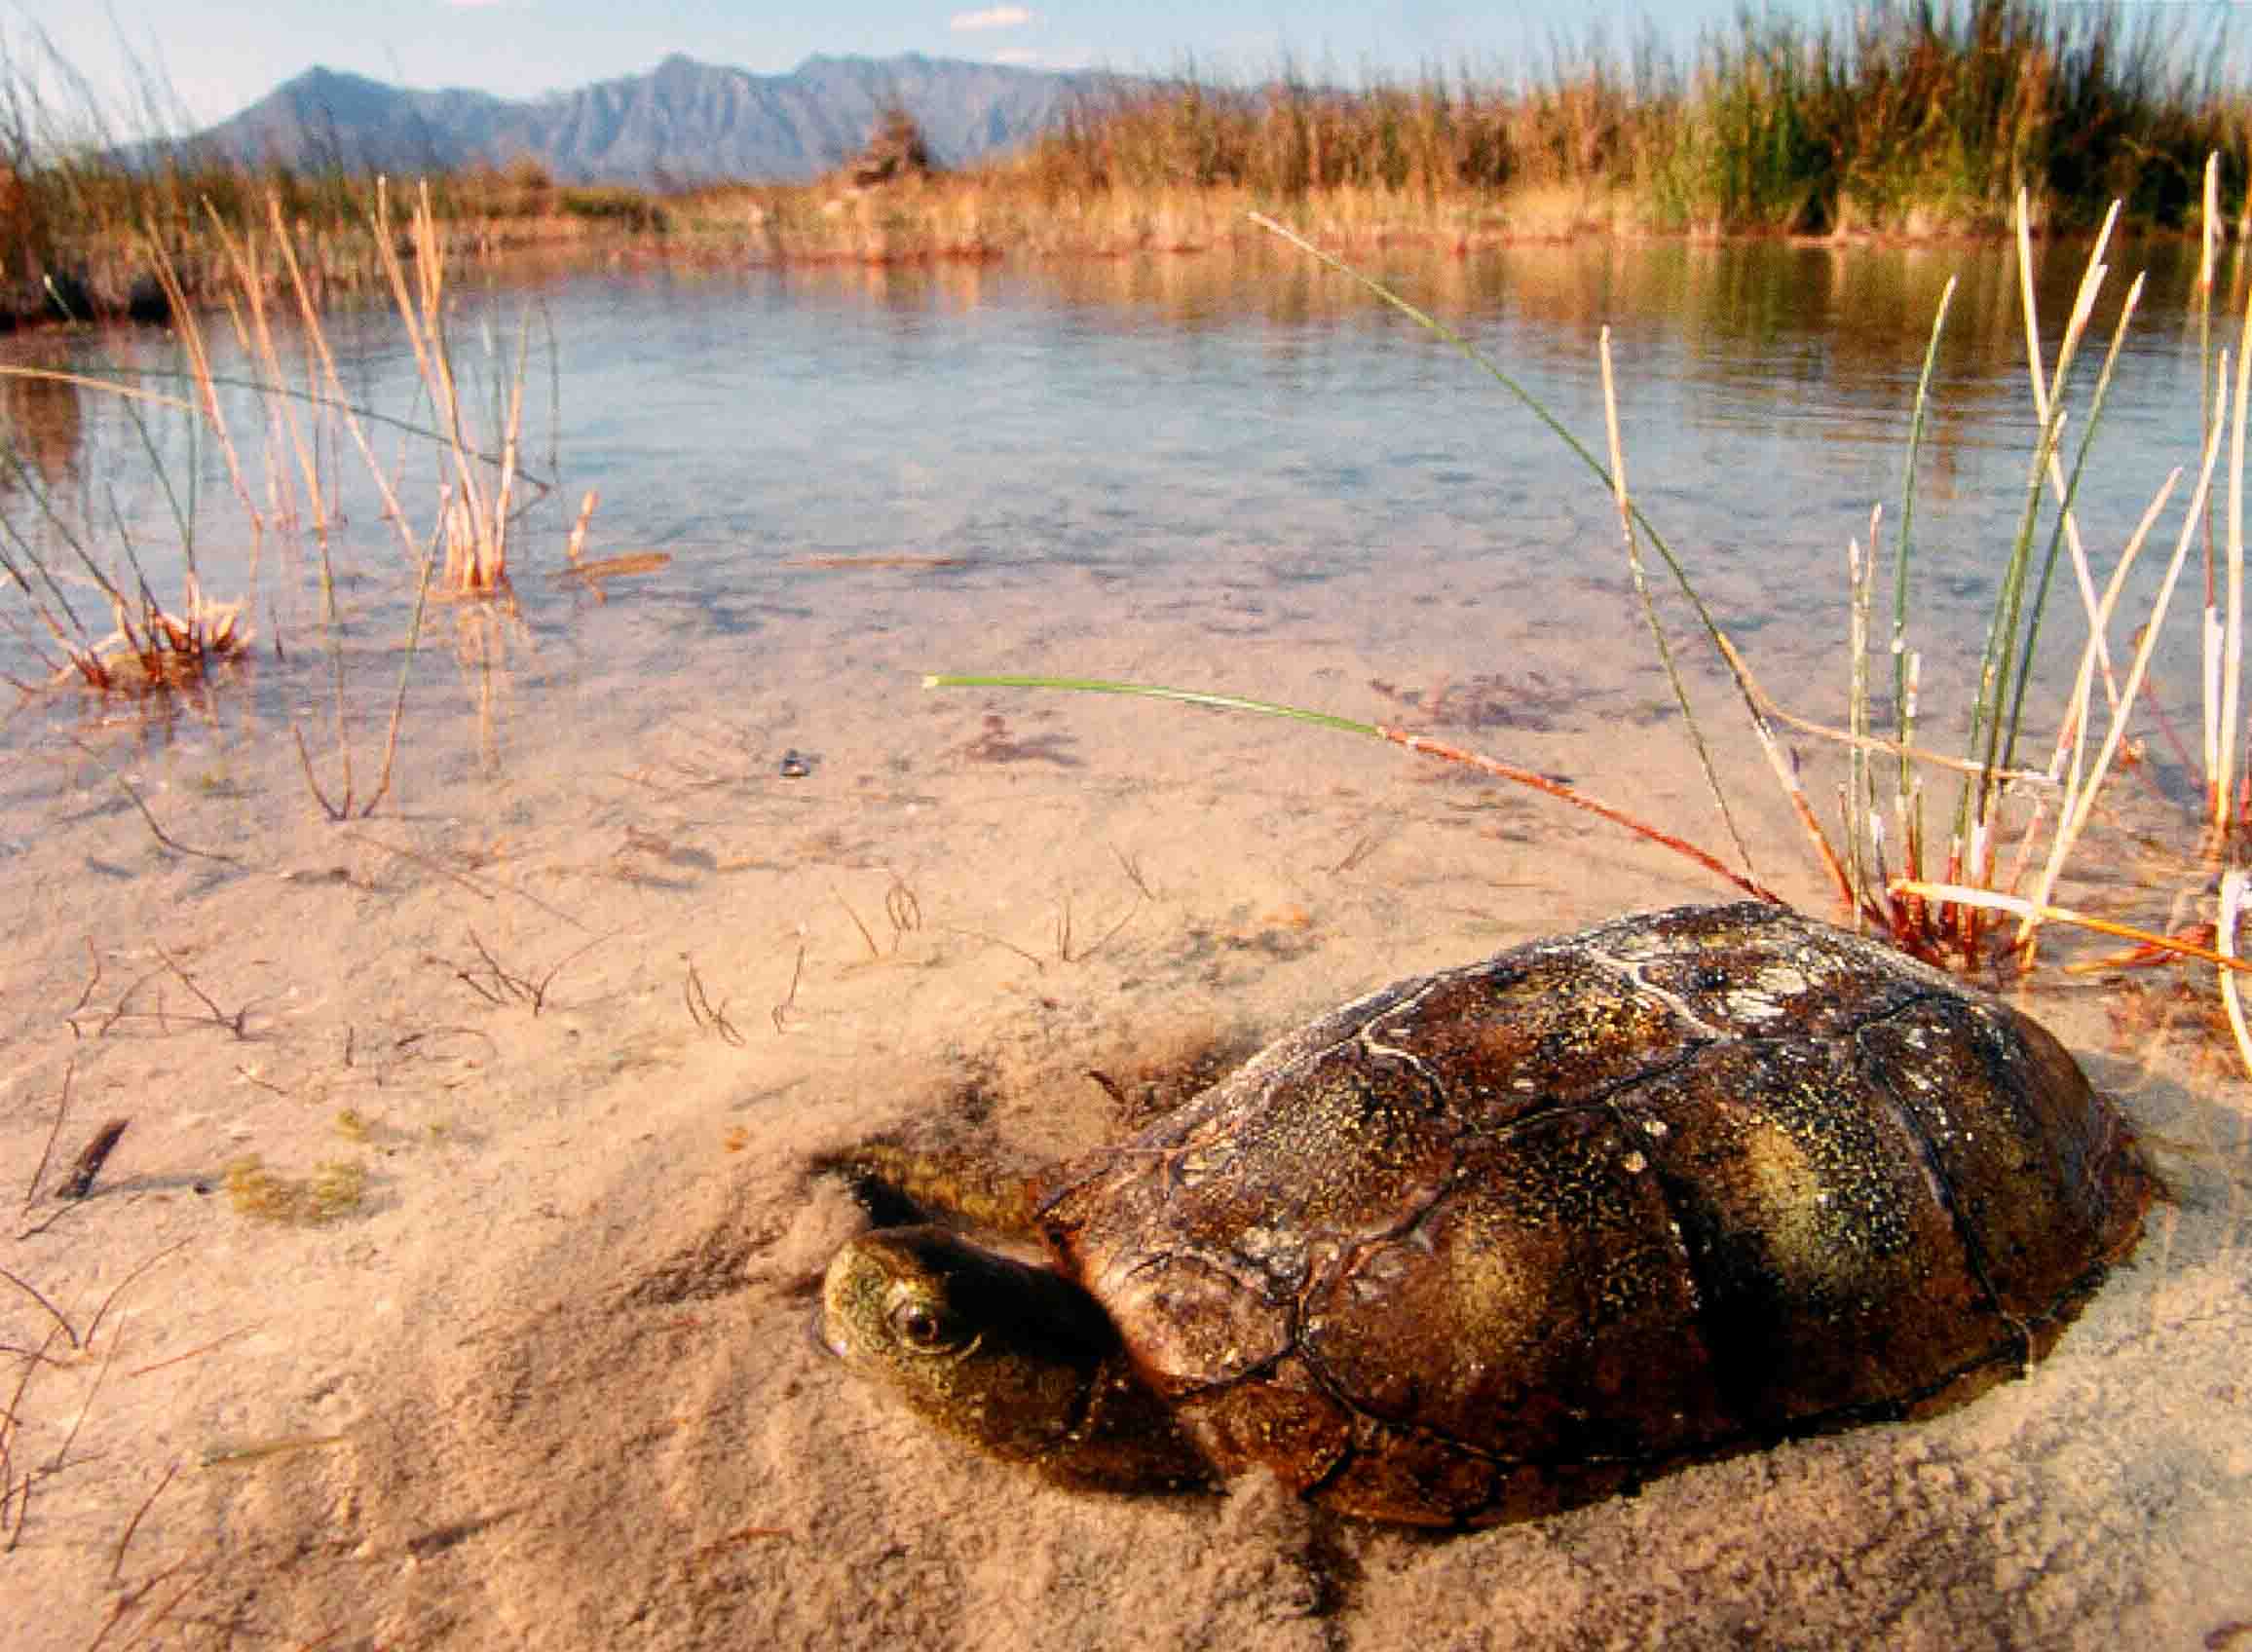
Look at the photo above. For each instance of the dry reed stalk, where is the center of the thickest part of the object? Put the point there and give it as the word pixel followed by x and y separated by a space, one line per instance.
pixel 2068 521
pixel 2098 653
pixel 2020 907
pixel 2079 799
pixel 2209 401
pixel 1860 799
pixel 575 546
pixel 2225 632
pixel 256 339
pixel 1771 708
pixel 1785 772
pixel 191 337
pixel 318 338
pixel 1624 502
pixel 2001 688
pixel 108 386
pixel 476 533
pixel 2225 938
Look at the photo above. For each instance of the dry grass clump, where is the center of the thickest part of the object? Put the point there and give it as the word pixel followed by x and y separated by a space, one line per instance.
pixel 475 510
pixel 153 652
pixel 335 1189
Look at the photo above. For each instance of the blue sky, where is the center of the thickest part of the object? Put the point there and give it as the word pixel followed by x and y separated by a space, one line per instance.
pixel 218 56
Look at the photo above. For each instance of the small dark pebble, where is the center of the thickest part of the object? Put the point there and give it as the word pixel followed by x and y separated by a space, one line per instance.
pixel 796 766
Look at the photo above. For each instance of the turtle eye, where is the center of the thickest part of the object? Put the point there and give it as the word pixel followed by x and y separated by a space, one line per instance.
pixel 923 1325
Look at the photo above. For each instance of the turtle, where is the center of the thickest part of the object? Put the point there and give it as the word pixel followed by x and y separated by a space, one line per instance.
pixel 1502 1240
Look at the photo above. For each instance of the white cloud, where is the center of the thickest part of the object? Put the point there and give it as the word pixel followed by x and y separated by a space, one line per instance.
pixel 992 16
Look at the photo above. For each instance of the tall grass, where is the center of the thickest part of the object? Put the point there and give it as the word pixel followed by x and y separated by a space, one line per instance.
pixel 1892 116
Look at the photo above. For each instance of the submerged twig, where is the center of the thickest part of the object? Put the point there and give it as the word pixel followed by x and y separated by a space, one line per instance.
pixel 53 1131
pixel 709 1017
pixel 161 836
pixel 781 1011
pixel 69 1332
pixel 124 1541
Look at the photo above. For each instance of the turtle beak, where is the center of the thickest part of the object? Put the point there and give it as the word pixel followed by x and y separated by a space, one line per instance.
pixel 817 1328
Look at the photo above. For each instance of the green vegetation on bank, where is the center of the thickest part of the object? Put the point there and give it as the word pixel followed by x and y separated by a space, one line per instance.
pixel 1911 119
pixel 1917 118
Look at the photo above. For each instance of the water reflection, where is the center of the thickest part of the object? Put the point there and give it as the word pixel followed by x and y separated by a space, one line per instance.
pixel 41 425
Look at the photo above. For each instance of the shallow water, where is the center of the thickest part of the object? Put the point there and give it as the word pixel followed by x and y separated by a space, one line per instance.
pixel 1193 435
pixel 672 887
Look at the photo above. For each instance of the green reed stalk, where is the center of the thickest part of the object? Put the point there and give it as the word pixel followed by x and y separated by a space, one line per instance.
pixel 1999 656
pixel 1632 511
pixel 1904 697
pixel 2005 659
pixel 1627 514
pixel 1151 691
pixel 2064 528
pixel 1509 771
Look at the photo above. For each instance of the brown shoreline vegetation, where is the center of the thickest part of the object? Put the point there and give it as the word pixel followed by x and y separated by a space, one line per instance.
pixel 1900 121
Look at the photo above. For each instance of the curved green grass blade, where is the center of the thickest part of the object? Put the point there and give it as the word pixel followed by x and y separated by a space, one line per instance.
pixel 1151 691
pixel 1532 403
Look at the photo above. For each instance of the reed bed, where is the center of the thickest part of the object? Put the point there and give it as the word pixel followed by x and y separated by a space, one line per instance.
pixel 1895 117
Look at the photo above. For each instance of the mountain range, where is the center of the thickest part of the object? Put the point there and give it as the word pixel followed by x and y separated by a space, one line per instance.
pixel 681 122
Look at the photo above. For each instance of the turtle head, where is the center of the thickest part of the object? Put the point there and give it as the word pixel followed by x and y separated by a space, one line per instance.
pixel 1015 1359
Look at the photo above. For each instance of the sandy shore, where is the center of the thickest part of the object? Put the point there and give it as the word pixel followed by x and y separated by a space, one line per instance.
pixel 582 1000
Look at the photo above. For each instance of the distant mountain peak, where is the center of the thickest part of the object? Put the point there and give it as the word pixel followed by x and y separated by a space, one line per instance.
pixel 682 122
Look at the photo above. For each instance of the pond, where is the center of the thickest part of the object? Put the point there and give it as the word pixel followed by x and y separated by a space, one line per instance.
pixel 1193 451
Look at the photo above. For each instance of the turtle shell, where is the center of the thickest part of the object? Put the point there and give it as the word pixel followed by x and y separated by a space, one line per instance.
pixel 1494 1241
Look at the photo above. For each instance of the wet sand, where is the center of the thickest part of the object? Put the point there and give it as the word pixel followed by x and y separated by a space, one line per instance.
pixel 549 1384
